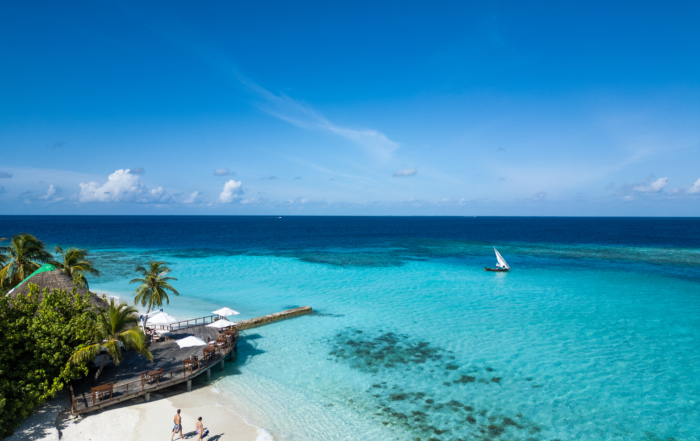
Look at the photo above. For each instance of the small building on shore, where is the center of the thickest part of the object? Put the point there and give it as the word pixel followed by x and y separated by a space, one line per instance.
pixel 53 278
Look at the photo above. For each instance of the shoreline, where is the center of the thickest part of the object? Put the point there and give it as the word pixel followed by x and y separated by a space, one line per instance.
pixel 137 419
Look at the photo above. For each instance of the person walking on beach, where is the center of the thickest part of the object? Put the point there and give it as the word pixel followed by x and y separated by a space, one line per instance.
pixel 200 428
pixel 178 426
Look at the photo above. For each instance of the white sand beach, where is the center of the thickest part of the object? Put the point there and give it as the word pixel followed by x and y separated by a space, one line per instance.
pixel 138 420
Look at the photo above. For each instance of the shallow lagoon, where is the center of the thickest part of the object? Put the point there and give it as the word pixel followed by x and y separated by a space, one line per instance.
pixel 440 349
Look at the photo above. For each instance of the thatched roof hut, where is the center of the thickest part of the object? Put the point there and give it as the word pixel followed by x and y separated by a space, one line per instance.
pixel 56 279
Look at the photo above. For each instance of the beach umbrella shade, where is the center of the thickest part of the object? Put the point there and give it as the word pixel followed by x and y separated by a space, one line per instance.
pixel 190 341
pixel 226 312
pixel 222 323
pixel 161 318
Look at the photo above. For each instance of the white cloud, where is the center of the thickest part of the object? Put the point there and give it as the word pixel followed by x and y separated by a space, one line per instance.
pixel 122 186
pixel 157 195
pixel 405 172
pixel 223 172
pixel 651 187
pixel 297 201
pixel 137 171
pixel 50 192
pixel 695 189
pixel 231 191
pixel 416 202
pixel 193 199
pixel 540 195
pixel 302 115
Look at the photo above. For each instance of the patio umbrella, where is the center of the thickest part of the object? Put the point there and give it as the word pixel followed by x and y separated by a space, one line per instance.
pixel 190 341
pixel 221 323
pixel 226 312
pixel 162 318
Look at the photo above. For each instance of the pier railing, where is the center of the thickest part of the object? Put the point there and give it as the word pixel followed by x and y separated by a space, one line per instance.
pixel 186 323
pixel 119 392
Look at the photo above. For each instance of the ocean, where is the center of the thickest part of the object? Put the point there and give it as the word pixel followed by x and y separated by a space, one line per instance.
pixel 593 335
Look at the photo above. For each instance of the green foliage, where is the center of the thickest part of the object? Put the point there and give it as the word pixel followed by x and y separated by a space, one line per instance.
pixel 36 341
pixel 154 284
pixel 20 258
pixel 75 263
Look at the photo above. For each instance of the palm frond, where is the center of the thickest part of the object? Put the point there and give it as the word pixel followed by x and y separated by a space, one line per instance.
pixel 86 354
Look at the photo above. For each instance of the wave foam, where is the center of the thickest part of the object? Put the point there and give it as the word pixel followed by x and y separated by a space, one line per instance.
pixel 264 435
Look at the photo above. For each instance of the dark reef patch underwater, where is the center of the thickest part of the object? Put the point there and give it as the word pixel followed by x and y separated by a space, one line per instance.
pixel 418 415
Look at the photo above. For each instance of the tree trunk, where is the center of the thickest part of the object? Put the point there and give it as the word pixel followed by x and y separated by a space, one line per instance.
pixel 145 319
pixel 102 366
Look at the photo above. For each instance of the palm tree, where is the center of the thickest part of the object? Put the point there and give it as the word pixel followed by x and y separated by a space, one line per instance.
pixel 24 255
pixel 110 331
pixel 154 285
pixel 75 261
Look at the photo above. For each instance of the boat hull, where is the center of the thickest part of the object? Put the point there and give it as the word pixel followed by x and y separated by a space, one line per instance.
pixel 497 270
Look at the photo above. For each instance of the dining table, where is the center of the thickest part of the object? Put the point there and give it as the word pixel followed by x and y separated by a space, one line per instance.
pixel 156 374
pixel 100 392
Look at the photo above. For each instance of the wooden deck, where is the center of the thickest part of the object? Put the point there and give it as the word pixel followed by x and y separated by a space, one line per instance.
pixel 166 355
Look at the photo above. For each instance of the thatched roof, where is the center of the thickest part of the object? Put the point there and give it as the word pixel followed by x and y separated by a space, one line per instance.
pixel 56 280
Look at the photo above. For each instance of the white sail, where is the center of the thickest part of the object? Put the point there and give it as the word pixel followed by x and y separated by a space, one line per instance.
pixel 501 261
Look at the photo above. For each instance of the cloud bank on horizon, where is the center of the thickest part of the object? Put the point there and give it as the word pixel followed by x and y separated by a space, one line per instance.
pixel 328 120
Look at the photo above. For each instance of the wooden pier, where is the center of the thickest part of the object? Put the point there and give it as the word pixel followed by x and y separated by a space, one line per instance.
pixel 130 378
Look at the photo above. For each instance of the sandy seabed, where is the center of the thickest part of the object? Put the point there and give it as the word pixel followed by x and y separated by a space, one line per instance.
pixel 139 420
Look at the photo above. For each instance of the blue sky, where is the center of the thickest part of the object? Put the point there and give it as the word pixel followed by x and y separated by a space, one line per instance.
pixel 362 108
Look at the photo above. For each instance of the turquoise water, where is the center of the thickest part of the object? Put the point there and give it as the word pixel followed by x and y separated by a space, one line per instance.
pixel 438 348
pixel 594 334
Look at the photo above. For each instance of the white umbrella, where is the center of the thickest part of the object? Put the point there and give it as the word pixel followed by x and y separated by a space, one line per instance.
pixel 161 319
pixel 190 341
pixel 221 323
pixel 226 312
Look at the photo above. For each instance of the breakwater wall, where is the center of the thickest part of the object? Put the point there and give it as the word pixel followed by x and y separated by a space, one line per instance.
pixel 276 317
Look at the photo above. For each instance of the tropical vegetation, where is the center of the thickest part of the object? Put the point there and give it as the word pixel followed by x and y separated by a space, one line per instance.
pixel 154 285
pixel 37 340
pixel 75 262
pixel 115 327
pixel 48 338
pixel 24 255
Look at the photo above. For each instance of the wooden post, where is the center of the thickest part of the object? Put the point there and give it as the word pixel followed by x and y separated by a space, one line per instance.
pixel 208 374
pixel 148 397
pixel 189 385
pixel 127 388
pixel 73 406
pixel 221 367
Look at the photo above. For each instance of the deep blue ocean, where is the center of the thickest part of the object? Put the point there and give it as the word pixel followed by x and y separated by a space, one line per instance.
pixel 593 335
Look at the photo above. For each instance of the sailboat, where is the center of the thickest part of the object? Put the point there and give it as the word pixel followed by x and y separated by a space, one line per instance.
pixel 501 265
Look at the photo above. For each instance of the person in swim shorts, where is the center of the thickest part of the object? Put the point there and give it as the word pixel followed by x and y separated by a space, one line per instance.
pixel 178 426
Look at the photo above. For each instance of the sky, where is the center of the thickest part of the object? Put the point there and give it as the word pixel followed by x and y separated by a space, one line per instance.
pixel 350 108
